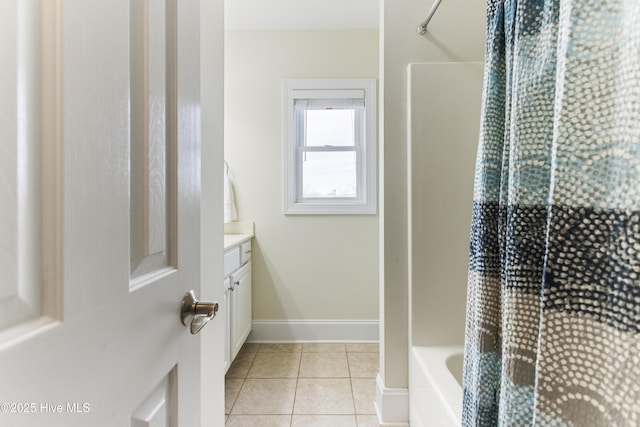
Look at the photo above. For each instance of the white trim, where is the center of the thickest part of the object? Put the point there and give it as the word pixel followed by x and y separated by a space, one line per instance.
pixel 314 331
pixel 366 201
pixel 392 405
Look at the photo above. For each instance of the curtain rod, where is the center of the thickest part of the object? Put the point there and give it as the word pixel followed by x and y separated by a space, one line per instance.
pixel 422 28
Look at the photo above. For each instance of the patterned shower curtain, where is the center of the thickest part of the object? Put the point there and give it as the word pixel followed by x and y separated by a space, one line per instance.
pixel 553 309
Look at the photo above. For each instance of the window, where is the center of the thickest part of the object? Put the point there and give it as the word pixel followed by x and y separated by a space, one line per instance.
pixel 330 146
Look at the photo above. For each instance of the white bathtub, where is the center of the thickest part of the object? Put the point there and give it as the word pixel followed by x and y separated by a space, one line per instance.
pixel 435 386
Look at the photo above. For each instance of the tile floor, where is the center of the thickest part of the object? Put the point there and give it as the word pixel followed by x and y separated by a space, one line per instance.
pixel 303 385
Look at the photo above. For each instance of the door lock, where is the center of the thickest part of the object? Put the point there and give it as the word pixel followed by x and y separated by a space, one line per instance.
pixel 196 313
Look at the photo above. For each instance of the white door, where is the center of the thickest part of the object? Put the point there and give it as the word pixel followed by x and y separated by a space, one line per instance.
pixel 100 212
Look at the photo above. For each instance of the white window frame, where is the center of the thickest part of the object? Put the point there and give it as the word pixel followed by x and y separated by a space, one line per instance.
pixel 330 89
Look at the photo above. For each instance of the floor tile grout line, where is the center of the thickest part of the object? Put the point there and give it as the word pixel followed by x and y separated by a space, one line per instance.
pixel 244 381
pixel 348 364
pixel 237 396
pixel 295 393
pixel 353 395
pixel 353 401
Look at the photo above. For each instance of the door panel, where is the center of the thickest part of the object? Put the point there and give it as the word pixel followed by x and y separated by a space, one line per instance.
pixel 157 408
pixel 153 133
pixel 100 182
pixel 23 295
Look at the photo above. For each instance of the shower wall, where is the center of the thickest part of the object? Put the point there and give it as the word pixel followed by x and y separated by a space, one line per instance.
pixel 455 34
pixel 444 115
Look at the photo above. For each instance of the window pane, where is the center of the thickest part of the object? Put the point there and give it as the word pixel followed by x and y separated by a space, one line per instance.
pixel 330 127
pixel 329 174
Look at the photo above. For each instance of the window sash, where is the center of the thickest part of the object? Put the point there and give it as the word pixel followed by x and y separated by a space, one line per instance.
pixel 360 176
pixel 304 148
pixel 359 127
pixel 301 106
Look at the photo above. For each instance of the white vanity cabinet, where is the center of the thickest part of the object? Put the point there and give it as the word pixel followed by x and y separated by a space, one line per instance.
pixel 240 308
pixel 237 296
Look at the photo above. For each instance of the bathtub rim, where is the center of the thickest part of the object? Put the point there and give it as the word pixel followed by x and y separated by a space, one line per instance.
pixel 446 386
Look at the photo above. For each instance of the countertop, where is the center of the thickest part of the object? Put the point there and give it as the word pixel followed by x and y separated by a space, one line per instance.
pixel 237 232
pixel 231 240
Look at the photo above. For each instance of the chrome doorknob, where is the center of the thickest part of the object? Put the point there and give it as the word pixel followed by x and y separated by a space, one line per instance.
pixel 196 313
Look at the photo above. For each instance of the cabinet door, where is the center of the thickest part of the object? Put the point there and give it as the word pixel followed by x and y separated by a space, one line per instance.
pixel 226 312
pixel 241 308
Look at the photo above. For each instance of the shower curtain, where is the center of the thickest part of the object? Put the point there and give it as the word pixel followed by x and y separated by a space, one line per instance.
pixel 553 305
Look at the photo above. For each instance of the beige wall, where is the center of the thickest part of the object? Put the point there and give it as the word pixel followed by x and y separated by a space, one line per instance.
pixel 304 267
pixel 456 34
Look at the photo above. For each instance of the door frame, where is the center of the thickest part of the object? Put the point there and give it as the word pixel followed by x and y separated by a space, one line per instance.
pixel 211 212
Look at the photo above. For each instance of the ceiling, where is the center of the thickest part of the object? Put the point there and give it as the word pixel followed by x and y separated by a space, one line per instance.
pixel 300 14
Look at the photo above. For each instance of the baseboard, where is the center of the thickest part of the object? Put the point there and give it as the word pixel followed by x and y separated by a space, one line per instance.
pixel 314 331
pixel 392 405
